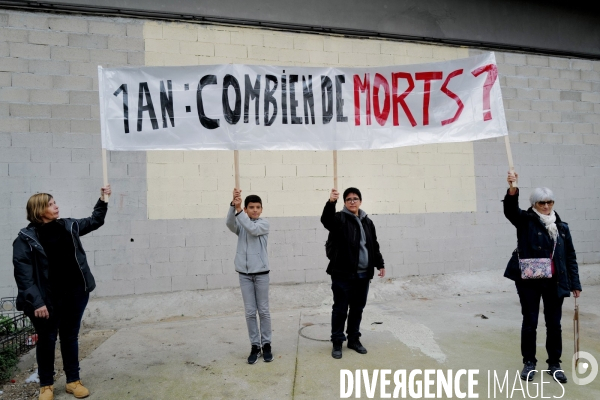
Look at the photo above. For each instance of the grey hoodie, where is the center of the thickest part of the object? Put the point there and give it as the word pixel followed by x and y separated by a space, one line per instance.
pixel 363 254
pixel 251 254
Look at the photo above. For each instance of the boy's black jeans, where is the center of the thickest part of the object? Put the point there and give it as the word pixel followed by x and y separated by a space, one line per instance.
pixel 65 320
pixel 348 293
pixel 530 291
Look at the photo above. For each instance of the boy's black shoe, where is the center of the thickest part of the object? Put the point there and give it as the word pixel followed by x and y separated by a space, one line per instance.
pixel 528 371
pixel 254 354
pixel 557 373
pixel 357 346
pixel 267 354
pixel 337 350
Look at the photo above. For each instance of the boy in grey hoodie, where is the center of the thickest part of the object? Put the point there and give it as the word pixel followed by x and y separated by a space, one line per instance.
pixel 252 264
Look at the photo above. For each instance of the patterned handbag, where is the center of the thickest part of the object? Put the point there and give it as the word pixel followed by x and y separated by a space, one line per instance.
pixel 536 268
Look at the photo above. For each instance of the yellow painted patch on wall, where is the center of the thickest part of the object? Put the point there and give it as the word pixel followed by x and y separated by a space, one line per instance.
pixel 198 184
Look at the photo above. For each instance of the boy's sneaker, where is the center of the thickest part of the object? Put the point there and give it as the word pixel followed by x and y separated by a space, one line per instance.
pixel 356 346
pixel 267 354
pixel 337 349
pixel 528 371
pixel 557 373
pixel 254 354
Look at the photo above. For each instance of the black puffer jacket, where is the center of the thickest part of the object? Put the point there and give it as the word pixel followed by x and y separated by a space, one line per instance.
pixel 346 235
pixel 535 242
pixel 31 263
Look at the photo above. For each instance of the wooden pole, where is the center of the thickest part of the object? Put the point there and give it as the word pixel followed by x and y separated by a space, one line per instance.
pixel 510 159
pixel 236 168
pixel 576 331
pixel 335 174
pixel 105 197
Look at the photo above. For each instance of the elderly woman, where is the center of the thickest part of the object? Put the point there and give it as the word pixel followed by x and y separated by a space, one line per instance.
pixel 54 282
pixel 541 234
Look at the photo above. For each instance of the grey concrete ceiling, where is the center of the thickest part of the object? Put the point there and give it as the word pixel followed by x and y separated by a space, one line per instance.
pixel 550 27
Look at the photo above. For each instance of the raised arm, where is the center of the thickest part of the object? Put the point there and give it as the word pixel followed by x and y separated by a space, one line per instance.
pixel 89 224
pixel 236 204
pixel 255 227
pixel 511 201
pixel 328 215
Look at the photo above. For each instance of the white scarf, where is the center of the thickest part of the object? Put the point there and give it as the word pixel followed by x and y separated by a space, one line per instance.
pixel 550 222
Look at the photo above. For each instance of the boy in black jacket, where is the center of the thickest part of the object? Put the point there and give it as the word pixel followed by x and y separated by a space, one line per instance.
pixel 355 256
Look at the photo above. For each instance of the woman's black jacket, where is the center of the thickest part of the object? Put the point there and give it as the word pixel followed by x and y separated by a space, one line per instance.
pixel 346 235
pixel 535 242
pixel 31 264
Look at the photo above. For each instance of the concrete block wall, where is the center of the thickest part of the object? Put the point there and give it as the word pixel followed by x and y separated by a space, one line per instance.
pixel 49 141
pixel 198 184
pixel 295 183
pixel 552 107
pixel 49 127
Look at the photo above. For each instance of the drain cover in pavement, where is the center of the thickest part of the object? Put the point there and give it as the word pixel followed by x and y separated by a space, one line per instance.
pixel 319 332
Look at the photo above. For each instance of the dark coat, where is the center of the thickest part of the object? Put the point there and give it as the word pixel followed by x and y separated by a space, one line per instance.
pixel 346 235
pixel 535 242
pixel 31 263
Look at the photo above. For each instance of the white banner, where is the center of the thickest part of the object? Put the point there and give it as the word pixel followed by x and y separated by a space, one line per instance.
pixel 253 107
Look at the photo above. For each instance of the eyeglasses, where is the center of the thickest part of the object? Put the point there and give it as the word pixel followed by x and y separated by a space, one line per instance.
pixel 352 200
pixel 543 203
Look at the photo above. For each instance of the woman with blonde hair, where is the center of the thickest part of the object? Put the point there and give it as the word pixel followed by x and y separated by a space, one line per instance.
pixel 54 282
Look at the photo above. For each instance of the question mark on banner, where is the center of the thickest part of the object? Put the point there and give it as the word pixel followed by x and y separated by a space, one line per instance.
pixel 492 71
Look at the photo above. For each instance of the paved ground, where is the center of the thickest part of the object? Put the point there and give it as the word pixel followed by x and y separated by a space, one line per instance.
pixel 422 323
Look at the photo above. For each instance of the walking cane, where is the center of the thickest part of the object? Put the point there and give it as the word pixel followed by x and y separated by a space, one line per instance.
pixel 576 332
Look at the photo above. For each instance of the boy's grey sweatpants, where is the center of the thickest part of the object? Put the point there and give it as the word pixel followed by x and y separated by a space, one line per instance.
pixel 255 292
